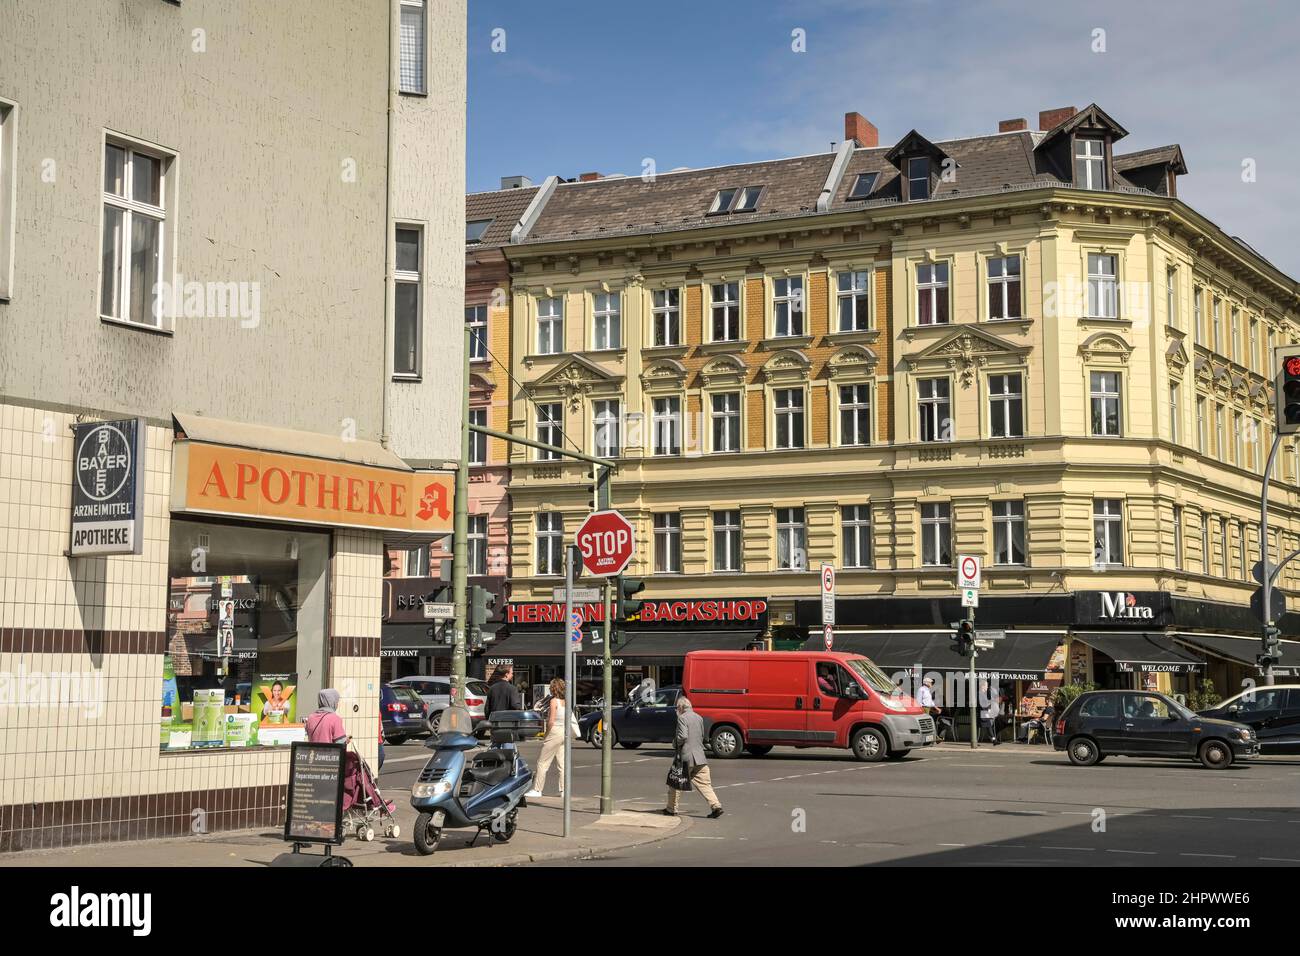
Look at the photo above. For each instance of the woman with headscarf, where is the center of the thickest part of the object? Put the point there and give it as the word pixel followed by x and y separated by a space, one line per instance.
pixel 325 726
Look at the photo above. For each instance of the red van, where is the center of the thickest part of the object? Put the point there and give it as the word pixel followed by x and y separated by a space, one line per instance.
pixel 755 700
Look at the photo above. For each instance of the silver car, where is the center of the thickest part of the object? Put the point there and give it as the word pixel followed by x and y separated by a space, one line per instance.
pixel 436 692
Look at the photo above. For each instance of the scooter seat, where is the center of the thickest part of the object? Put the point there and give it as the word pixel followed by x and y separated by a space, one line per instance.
pixel 491 767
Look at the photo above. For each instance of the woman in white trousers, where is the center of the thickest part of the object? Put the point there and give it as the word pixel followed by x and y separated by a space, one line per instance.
pixel 553 743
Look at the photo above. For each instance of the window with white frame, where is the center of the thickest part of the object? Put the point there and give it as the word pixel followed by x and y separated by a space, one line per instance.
pixel 411 47
pixel 787 305
pixel 550 326
pixel 134 236
pixel 1107 531
pixel 1198 332
pixel 666 425
pixel 918 178
pixel 725 311
pixel 1238 436
pixel 1234 330
pixel 1004 287
pixel 550 429
pixel 407 303
pixel 1252 360
pixel 607 321
pixel 1178 537
pixel 1224 545
pixel 476 542
pixel 1006 406
pixel 855 414
pixel 8 152
pixel 550 543
pixel 1242 546
pixel 1200 425
pixel 791 540
pixel 1216 316
pixel 934 408
pixel 1205 543
pixel 1171 296
pixel 1089 163
pixel 476 320
pixel 668 543
pixel 415 561
pixel 477 440
pixel 788 412
pixel 605 421
pixel 1220 446
pixel 726 541
pixel 735 199
pixel 724 412
pixel 1008 532
pixel 853 295
pixel 1104 397
pixel 1103 286
pixel 1173 412
pixel 932 293
pixel 936 534
pixel 855 528
pixel 665 309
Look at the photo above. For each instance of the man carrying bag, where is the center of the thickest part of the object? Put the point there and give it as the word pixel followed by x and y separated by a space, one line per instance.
pixel 689 766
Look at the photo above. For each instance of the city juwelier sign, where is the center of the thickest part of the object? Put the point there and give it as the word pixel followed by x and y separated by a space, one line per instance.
pixel 107 487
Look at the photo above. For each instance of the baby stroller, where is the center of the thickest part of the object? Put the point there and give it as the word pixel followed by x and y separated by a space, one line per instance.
pixel 364 805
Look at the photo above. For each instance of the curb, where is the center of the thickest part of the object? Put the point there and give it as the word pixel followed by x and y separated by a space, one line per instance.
pixel 573 853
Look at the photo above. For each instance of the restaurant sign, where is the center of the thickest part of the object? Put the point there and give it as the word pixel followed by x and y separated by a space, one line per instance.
pixel 710 613
pixel 1133 608
pixel 107 487
pixel 242 482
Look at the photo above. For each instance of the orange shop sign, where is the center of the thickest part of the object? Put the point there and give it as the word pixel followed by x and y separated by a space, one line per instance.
pixel 223 480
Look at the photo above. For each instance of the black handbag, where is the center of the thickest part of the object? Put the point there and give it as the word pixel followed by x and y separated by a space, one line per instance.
pixel 679 777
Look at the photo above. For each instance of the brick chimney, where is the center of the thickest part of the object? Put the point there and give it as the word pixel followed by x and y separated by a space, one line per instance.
pixel 1050 119
pixel 1012 125
pixel 861 130
pixel 588 177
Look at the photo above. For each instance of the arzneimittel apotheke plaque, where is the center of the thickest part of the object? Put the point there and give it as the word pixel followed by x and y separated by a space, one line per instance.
pixel 108 487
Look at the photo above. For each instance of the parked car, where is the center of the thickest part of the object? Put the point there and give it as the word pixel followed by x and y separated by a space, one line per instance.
pixel 1272 712
pixel 637 721
pixel 436 692
pixel 403 714
pixel 755 700
pixel 1104 723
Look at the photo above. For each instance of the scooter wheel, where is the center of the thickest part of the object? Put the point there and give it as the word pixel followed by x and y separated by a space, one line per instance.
pixel 426 834
pixel 507 827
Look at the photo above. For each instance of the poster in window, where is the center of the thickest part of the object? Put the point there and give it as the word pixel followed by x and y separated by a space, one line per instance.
pixel 274 704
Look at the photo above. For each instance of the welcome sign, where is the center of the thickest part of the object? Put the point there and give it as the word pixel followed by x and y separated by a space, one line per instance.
pixel 107 487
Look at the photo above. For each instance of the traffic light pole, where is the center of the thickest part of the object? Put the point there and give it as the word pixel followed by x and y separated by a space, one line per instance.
pixel 460 548
pixel 607 669
pixel 570 558
pixel 974 652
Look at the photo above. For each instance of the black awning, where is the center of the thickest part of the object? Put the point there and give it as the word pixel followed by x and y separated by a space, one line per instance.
pixel 651 646
pixel 1241 650
pixel 1141 650
pixel 545 648
pixel 1015 657
pixel 409 640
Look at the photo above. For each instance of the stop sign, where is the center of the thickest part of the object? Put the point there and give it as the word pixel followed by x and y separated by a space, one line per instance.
pixel 606 543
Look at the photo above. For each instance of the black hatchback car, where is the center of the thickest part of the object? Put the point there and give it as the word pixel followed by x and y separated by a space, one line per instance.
pixel 1105 723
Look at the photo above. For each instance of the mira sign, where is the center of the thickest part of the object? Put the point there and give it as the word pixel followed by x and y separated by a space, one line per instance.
pixel 107 487
pixel 1134 608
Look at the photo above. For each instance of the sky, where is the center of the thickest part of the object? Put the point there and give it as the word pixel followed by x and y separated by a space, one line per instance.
pixel 565 87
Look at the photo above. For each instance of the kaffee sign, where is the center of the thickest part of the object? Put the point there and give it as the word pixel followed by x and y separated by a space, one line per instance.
pixel 242 482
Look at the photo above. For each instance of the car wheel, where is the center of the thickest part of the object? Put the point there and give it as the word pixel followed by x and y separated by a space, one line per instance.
pixel 426 834
pixel 630 744
pixel 1083 752
pixel 758 750
pixel 396 739
pixel 434 721
pixel 1215 755
pixel 595 736
pixel 726 742
pixel 870 744
pixel 898 754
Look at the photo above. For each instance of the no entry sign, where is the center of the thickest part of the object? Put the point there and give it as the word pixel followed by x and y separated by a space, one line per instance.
pixel 606 543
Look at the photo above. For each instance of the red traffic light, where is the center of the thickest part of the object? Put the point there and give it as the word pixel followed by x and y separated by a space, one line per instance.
pixel 1292 366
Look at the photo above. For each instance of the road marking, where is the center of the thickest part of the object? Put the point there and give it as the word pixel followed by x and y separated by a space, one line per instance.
pixel 950 844
pixel 1247 819
pixel 1137 852
pixel 1189 816
pixel 1084 849
pixel 1006 846
pixel 1279 859
pixel 689 837
pixel 1213 856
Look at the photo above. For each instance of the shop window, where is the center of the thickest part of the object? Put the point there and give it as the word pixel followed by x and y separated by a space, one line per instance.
pixel 246 651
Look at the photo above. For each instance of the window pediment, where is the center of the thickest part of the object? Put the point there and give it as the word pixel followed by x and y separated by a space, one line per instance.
pixel 965 350
pixel 1105 346
pixel 574 380
pixel 786 366
pixel 664 375
pixel 851 361
pixel 724 369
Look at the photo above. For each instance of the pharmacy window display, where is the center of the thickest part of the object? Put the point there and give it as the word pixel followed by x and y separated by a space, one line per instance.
pixel 246 651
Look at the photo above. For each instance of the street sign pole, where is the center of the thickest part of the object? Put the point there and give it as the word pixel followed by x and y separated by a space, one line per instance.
pixel 968 580
pixel 570 557
pixel 607 714
pixel 974 652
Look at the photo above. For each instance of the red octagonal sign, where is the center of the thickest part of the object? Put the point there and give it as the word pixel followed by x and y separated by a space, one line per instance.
pixel 606 543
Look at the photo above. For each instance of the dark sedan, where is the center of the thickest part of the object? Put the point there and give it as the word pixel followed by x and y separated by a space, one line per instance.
pixel 403 714
pixel 1105 723
pixel 1272 712
pixel 648 719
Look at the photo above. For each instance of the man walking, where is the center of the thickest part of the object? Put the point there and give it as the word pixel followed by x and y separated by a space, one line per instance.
pixel 989 711
pixel 502 693
pixel 688 745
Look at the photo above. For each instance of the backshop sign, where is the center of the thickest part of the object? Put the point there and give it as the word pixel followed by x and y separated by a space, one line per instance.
pixel 712 614
pixel 108 487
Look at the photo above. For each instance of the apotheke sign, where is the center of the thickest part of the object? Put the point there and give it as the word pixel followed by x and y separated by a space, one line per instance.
pixel 107 487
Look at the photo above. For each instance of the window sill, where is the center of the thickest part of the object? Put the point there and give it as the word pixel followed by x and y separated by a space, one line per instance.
pixel 787 342
pixel 666 351
pixel 122 323
pixel 420 93
pixel 414 379
pixel 853 335
pixel 723 345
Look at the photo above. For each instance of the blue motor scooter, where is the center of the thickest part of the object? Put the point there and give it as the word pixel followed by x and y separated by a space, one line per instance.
pixel 466 785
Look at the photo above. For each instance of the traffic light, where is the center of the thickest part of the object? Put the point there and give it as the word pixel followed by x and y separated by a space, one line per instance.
pixel 598 500
pixel 1272 647
pixel 624 607
pixel 963 636
pixel 1287 390
pixel 482 602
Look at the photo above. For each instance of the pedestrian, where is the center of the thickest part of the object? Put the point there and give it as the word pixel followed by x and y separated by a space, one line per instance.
pixel 688 749
pixel 502 693
pixel 381 742
pixel 990 711
pixel 557 725
pixel 925 698
pixel 324 725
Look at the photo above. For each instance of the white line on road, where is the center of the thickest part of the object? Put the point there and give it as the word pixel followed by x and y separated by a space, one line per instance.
pixel 1212 856
pixel 1278 859
pixel 1189 816
pixel 1136 852
pixel 1082 849
pixel 950 844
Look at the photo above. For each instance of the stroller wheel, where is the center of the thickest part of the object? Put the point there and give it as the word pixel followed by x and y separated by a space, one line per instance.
pixel 367 833
pixel 393 831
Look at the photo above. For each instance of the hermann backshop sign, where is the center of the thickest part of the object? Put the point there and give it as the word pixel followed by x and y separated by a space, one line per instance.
pixel 108 487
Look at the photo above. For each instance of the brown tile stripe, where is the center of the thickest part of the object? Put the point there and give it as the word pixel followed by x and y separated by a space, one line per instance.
pixel 68 823
pixel 353 646
pixel 53 640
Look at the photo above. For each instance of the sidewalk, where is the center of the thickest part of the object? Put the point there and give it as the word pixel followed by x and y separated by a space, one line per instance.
pixel 541 823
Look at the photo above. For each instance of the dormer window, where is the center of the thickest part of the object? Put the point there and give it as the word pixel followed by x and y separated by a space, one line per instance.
pixel 736 199
pixel 918 178
pixel 475 228
pixel 863 185
pixel 1089 163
